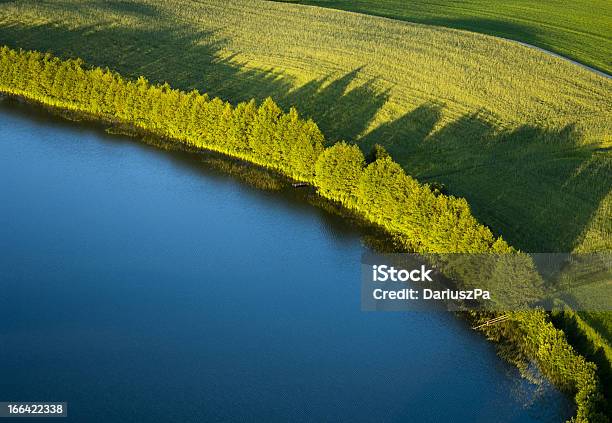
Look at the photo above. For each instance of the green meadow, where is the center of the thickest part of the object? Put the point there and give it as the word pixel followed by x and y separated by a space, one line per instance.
pixel 525 137
pixel 580 30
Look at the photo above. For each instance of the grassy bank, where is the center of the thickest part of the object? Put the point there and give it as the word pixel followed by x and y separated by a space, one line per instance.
pixel 579 30
pixel 523 136
pixel 421 218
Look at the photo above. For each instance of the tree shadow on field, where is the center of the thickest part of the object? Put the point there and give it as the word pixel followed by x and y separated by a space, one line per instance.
pixel 414 126
pixel 340 112
pixel 189 60
pixel 539 188
pixel 185 60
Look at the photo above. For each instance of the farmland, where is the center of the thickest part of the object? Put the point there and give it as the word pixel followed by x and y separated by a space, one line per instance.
pixel 579 29
pixel 523 136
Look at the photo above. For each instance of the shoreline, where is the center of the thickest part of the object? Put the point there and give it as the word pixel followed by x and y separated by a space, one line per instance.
pixel 507 351
pixel 529 332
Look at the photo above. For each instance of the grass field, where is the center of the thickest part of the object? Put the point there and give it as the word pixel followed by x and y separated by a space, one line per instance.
pixel 524 136
pixel 580 30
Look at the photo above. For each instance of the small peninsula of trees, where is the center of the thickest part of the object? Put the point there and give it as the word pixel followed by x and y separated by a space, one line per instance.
pixel 424 220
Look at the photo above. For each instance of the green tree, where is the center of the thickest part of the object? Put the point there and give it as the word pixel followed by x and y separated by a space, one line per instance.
pixel 338 171
pixel 263 138
pixel 381 192
pixel 305 151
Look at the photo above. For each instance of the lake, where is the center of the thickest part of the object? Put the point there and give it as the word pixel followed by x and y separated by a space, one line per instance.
pixel 147 285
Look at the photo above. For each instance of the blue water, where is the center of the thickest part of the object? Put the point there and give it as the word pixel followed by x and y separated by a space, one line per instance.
pixel 143 285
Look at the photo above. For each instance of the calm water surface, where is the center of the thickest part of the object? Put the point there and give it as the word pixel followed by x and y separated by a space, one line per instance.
pixel 142 285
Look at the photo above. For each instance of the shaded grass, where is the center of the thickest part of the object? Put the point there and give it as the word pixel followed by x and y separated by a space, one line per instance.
pixel 579 30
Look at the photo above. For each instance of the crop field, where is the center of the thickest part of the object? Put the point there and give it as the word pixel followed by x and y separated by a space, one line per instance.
pixel 580 30
pixel 524 136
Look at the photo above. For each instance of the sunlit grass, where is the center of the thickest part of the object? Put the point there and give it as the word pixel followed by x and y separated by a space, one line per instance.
pixel 577 29
pixel 524 136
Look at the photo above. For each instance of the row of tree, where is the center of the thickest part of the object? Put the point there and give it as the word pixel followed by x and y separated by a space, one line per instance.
pixel 261 134
pixel 379 189
pixel 385 195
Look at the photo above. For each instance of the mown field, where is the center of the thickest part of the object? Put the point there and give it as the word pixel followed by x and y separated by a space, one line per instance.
pixel 580 30
pixel 524 136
